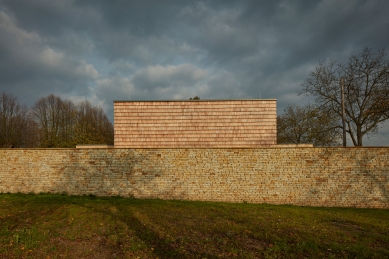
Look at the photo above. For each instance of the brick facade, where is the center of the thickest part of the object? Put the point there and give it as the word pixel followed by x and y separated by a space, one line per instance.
pixel 217 123
pixel 333 176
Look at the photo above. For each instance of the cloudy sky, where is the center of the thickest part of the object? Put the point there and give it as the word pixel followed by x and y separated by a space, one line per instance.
pixel 152 49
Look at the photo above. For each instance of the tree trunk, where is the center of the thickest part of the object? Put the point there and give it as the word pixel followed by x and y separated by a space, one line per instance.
pixel 359 135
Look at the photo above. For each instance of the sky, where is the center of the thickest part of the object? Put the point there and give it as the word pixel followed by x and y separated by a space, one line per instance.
pixel 176 49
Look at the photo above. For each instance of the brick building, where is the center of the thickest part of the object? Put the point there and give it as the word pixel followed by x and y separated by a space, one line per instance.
pixel 203 123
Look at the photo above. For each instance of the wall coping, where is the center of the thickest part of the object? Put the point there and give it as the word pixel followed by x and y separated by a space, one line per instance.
pixel 204 100
pixel 94 146
pixel 275 147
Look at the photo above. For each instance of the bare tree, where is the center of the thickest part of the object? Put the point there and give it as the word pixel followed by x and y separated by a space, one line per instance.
pixel 93 126
pixel 63 124
pixel 31 138
pixel 307 124
pixel 366 78
pixel 14 122
pixel 47 114
pixel 67 123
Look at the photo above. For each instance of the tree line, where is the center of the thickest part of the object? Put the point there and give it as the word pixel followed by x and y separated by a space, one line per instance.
pixel 52 122
pixel 366 84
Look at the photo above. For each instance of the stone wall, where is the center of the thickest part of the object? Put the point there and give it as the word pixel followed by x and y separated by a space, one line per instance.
pixel 302 176
pixel 209 123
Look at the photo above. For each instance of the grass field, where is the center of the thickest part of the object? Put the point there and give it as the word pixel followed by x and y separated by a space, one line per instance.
pixel 60 226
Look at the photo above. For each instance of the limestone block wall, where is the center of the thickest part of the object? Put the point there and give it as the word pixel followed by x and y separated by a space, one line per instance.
pixel 216 123
pixel 302 176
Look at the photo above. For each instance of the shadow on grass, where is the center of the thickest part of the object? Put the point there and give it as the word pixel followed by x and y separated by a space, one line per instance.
pixel 247 227
pixel 161 247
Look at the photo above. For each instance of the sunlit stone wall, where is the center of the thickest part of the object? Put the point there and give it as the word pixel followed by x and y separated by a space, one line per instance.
pixel 298 175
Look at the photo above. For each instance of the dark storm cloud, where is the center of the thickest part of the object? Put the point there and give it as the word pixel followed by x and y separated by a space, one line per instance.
pixel 30 68
pixel 106 50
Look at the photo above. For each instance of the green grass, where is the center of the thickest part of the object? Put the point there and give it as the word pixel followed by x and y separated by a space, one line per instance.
pixel 60 226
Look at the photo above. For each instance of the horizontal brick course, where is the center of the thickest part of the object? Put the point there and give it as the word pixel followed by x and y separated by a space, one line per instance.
pixel 346 177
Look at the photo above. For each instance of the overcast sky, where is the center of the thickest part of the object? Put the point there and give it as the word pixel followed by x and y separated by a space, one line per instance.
pixel 152 50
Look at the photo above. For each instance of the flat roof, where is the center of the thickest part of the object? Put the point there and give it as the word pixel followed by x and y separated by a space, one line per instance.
pixel 204 100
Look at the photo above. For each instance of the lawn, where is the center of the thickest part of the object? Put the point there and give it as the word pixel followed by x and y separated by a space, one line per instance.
pixel 60 226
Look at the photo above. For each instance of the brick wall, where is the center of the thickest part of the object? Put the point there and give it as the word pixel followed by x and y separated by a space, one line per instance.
pixel 231 123
pixel 303 176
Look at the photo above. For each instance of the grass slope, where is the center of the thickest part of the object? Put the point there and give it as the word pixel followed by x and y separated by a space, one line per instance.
pixel 59 226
